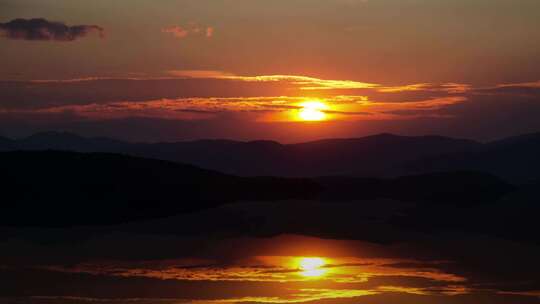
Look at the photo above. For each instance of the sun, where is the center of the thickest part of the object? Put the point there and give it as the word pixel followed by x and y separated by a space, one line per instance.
pixel 312 111
pixel 312 267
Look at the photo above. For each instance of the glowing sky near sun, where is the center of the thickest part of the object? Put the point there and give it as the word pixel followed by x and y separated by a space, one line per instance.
pixel 245 69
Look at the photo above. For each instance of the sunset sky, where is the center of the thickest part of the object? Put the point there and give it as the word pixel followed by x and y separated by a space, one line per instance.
pixel 292 71
pixel 242 69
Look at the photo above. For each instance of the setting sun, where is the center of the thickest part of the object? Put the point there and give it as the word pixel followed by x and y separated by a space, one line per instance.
pixel 312 267
pixel 312 111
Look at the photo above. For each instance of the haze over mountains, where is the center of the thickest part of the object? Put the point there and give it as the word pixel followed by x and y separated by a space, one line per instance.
pixel 513 159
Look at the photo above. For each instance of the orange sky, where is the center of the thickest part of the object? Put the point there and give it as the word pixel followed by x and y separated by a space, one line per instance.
pixel 242 69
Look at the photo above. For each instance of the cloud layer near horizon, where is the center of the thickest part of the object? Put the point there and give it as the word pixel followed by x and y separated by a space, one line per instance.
pixel 267 105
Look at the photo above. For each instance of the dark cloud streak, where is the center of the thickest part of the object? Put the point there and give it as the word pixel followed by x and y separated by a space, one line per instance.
pixel 39 29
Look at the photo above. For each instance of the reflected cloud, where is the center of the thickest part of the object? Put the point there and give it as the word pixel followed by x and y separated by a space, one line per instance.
pixel 301 296
pixel 535 293
pixel 337 274
pixel 533 84
pixel 353 271
pixel 268 269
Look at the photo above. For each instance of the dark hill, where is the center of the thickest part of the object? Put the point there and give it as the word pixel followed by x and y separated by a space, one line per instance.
pixel 51 188
pixel 70 142
pixel 63 188
pixel 385 155
pixel 6 144
pixel 465 189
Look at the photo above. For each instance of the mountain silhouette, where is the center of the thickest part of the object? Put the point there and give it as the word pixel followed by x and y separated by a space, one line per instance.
pixel 52 188
pixel 378 155
pixel 384 155
pixel 6 144
pixel 514 159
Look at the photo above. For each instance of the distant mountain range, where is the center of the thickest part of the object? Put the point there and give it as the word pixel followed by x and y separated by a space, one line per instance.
pixel 514 159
